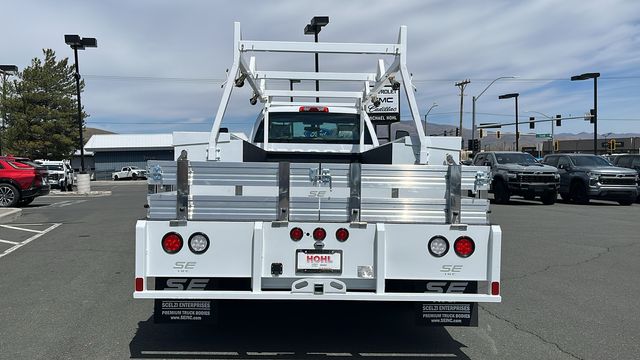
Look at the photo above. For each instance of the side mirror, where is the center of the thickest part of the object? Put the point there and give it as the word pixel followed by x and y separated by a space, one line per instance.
pixel 563 166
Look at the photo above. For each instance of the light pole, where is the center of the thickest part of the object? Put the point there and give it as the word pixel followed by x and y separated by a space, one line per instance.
pixel 313 28
pixel 509 96
pixel 425 117
pixel 291 81
pixel 473 108
pixel 5 71
pixel 595 77
pixel 78 43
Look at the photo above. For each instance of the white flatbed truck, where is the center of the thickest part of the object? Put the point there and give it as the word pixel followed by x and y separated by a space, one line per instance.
pixel 313 207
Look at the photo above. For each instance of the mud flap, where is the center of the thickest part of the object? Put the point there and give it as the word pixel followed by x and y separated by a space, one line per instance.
pixel 180 310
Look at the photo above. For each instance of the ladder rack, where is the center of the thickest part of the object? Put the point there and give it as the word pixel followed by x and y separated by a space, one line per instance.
pixel 244 70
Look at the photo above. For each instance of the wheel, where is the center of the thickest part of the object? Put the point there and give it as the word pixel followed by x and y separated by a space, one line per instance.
pixel 63 186
pixel 549 197
pixel 579 193
pixel 25 202
pixel 134 176
pixel 565 197
pixel 115 177
pixel 500 192
pixel 69 187
pixel 9 195
pixel 625 202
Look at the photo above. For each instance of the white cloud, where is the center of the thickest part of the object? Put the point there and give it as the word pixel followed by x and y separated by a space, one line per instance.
pixel 448 40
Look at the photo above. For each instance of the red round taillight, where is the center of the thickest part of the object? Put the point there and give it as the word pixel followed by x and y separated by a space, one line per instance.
pixel 342 234
pixel 172 243
pixel 319 234
pixel 464 246
pixel 296 234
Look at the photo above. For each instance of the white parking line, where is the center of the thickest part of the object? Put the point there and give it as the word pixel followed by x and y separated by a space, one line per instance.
pixel 65 203
pixel 25 242
pixel 9 242
pixel 21 229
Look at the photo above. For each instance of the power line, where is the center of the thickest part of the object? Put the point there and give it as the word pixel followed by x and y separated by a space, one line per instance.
pixel 221 80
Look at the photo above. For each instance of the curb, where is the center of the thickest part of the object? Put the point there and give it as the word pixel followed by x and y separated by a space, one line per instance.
pixel 8 215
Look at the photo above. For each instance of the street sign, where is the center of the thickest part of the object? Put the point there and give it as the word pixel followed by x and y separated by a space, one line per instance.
pixel 543 136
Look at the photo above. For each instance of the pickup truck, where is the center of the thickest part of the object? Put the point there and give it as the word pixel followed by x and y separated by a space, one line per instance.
pixel 584 177
pixel 129 172
pixel 61 174
pixel 516 173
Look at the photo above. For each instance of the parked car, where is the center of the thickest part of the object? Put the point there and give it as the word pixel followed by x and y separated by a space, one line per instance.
pixel 61 175
pixel 129 172
pixel 21 181
pixel 630 161
pixel 584 177
pixel 516 173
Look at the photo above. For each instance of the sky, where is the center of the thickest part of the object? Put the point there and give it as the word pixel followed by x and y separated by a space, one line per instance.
pixel 159 65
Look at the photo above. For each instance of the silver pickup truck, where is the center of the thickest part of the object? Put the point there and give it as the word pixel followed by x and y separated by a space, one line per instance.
pixel 516 173
pixel 584 177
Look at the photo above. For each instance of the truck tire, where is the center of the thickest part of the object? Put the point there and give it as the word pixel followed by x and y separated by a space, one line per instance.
pixel 134 176
pixel 115 177
pixel 625 202
pixel 549 197
pixel 69 187
pixel 500 192
pixel 9 195
pixel 579 193
pixel 63 186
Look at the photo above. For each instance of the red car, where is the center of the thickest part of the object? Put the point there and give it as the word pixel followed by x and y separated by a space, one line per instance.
pixel 21 181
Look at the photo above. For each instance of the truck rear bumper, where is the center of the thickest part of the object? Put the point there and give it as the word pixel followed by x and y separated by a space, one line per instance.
pixel 273 295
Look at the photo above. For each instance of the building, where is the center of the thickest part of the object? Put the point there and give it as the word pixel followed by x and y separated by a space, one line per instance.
pixel 113 151
pixel 604 146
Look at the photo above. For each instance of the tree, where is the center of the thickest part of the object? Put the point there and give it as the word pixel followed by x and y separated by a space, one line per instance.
pixel 42 121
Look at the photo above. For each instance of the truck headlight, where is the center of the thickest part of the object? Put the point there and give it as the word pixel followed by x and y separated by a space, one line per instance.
pixel 556 176
pixel 512 175
pixel 593 176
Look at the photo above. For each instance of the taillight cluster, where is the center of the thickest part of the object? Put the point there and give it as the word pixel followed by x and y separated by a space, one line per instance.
pixel 172 243
pixel 319 234
pixel 438 246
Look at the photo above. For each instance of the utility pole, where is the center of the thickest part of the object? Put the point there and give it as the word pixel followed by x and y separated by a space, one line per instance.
pixel 462 85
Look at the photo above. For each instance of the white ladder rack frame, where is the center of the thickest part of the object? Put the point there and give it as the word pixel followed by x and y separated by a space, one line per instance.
pixel 257 80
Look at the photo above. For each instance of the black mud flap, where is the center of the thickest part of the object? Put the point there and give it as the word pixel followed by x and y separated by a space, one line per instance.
pixel 180 310
pixel 446 313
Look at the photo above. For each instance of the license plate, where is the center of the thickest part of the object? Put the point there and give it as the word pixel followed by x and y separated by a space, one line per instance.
pixel 319 261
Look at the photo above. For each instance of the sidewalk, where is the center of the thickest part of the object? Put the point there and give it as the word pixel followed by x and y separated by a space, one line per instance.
pixel 9 214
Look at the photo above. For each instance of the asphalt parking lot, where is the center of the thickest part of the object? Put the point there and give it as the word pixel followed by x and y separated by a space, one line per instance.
pixel 568 283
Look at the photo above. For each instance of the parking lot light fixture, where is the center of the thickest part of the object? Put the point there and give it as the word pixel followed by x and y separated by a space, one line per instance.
pixel 313 28
pixel 594 76
pixel 515 96
pixel 5 71
pixel 78 43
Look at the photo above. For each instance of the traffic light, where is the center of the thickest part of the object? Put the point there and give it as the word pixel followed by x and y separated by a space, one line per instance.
pixel 532 125
pixel 558 120
pixel 476 145
pixel 556 145
pixel 481 133
pixel 612 144
pixel 498 134
pixel 457 131
pixel 592 112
